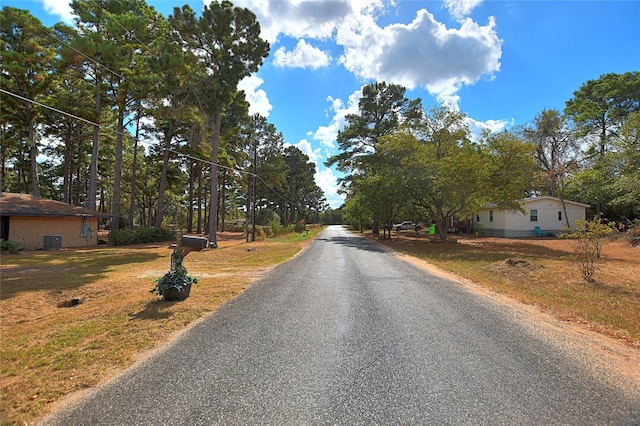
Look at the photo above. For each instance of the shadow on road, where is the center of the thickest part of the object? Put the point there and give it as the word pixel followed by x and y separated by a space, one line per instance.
pixel 355 242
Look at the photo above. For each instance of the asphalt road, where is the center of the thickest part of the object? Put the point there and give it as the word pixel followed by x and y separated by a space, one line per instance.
pixel 348 334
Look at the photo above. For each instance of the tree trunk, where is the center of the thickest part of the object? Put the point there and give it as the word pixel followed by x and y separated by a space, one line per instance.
pixel 199 228
pixel 80 183
pixel 254 196
pixel 33 164
pixel 93 170
pixel 223 206
pixel 117 178
pixel 103 207
pixel 213 207
pixel 190 212
pixel 67 174
pixel 132 195
pixel 441 227
pixel 163 178
pixel 247 216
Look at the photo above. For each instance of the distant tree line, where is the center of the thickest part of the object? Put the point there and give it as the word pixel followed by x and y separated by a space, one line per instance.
pixel 139 116
pixel 402 161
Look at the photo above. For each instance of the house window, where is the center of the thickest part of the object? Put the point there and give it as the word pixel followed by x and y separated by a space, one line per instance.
pixel 490 215
pixel 534 215
pixel 559 215
pixel 477 218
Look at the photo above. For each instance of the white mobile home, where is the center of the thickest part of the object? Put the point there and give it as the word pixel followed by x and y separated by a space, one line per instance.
pixel 544 216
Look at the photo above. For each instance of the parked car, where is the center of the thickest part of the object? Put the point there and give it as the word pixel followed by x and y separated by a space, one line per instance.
pixel 407 224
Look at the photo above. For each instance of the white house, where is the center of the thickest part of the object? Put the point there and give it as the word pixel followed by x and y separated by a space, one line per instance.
pixel 543 216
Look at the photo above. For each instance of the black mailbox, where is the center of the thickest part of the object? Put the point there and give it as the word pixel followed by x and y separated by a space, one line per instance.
pixel 193 243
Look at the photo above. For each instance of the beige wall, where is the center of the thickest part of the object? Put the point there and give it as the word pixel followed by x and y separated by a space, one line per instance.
pixel 30 230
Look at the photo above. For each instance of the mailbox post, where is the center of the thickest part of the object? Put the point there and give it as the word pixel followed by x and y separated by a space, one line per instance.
pixel 186 245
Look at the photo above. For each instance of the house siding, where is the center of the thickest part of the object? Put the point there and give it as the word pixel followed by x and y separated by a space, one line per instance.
pixel 31 230
pixel 517 225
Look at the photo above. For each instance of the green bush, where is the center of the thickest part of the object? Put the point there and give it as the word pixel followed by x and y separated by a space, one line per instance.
pixel 276 228
pixel 123 237
pixel 234 228
pixel 177 279
pixel 10 246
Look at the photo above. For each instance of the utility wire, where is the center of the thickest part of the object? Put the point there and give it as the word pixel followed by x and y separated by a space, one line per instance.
pixel 209 162
pixel 114 131
pixel 110 16
pixel 49 107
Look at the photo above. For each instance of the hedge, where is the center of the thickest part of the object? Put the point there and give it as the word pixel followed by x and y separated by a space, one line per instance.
pixel 123 237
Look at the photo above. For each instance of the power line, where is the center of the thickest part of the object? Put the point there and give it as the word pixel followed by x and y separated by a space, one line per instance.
pixel 49 107
pixel 149 144
pixel 210 162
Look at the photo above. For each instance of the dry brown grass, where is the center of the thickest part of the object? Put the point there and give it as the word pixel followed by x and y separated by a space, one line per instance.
pixel 49 349
pixel 543 272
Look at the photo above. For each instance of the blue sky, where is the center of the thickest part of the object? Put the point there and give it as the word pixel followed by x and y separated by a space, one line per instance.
pixel 500 62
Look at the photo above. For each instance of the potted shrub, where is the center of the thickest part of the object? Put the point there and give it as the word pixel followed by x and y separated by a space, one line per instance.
pixel 174 285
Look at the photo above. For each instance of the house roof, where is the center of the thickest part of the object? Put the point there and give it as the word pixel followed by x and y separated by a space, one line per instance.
pixel 546 197
pixel 524 201
pixel 29 205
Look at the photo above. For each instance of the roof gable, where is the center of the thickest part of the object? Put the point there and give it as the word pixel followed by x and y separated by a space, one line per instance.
pixel 12 204
pixel 529 200
pixel 547 197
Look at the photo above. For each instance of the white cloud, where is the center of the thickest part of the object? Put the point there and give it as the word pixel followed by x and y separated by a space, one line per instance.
pixel 303 56
pixel 422 53
pixel 257 98
pixel 60 8
pixel 300 18
pixel 477 127
pixel 326 179
pixel 461 8
pixel 328 182
pixel 306 148
pixel 327 135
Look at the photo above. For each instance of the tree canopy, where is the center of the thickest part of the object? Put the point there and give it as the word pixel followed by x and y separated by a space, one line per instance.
pixel 407 163
pixel 140 116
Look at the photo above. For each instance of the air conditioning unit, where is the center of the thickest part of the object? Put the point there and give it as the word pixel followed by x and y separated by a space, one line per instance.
pixel 51 242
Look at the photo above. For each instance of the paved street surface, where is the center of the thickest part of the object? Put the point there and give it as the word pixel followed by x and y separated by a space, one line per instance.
pixel 348 334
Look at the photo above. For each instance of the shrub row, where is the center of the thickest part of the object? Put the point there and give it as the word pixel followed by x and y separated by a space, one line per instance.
pixel 124 237
pixel 10 246
pixel 272 231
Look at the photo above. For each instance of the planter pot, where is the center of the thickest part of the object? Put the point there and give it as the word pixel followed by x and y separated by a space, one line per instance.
pixel 174 294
